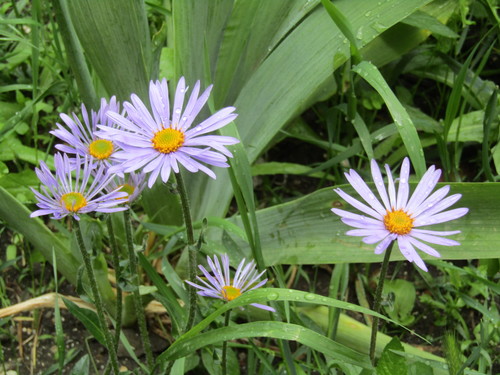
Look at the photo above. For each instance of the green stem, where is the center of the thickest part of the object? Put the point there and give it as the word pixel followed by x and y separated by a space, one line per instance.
pixel 224 345
pixel 97 299
pixel 116 264
pixel 134 274
pixel 378 296
pixel 191 249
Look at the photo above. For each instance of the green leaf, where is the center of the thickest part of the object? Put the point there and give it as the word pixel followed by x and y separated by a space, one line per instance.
pixel 115 37
pixel 403 122
pixel 356 335
pixel 419 368
pixel 425 21
pixel 272 168
pixel 169 300
pixel 431 64
pixel 305 231
pixel 74 53
pixel 276 294
pixel 401 38
pixel 343 24
pixel 391 363
pixel 403 301
pixel 12 149
pixel 277 330
pixel 287 64
pixel 82 366
pixel 88 318
pixel 17 217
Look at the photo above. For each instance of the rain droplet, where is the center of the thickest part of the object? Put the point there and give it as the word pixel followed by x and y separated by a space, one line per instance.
pixel 371 196
pixel 177 110
pixel 184 118
pixel 379 27
pixel 310 297
pixel 272 296
pixel 359 34
pixel 368 14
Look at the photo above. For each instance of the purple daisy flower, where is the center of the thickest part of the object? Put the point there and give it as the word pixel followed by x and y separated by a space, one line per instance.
pixel 61 196
pixel 80 138
pixel 221 286
pixel 133 184
pixel 159 141
pixel 397 217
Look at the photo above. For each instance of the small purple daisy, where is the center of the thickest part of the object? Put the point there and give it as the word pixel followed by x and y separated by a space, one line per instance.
pixel 61 196
pixel 133 184
pixel 399 217
pixel 221 286
pixel 81 139
pixel 159 141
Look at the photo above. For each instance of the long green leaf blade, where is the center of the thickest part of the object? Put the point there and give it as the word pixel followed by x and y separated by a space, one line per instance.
pixel 278 330
pixel 401 118
pixel 305 231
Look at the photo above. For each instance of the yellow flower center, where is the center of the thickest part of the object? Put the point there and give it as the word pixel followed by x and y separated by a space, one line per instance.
pixel 73 201
pixel 101 149
pixel 126 188
pixel 168 140
pixel 230 292
pixel 398 222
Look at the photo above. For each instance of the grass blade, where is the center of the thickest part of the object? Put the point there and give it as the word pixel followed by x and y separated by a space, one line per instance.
pixel 403 122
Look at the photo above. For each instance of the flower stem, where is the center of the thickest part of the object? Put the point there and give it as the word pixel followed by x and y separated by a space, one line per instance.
pixel 224 345
pixel 134 274
pixel 97 299
pixel 191 249
pixel 378 296
pixel 116 264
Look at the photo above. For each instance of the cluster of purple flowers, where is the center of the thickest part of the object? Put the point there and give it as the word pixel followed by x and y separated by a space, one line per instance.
pixel 113 150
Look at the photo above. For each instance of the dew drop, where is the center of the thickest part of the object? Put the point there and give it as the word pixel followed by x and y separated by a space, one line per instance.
pixel 379 27
pixel 310 297
pixel 184 118
pixel 371 196
pixel 177 110
pixel 272 296
pixel 359 34
pixel 368 14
